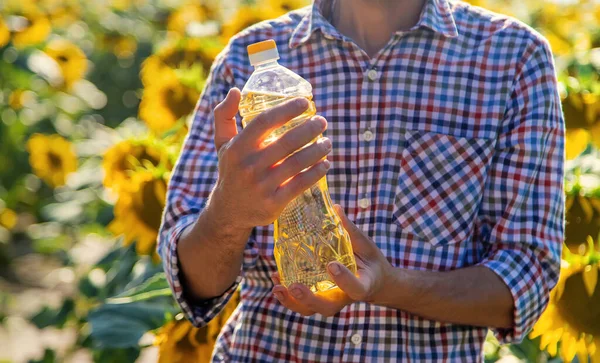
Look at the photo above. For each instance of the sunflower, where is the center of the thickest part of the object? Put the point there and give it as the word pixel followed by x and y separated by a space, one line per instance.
pixel 244 17
pixel 30 29
pixel 583 220
pixel 576 141
pixel 121 45
pixel 164 103
pixel 138 211
pixel 4 33
pixel 573 314
pixel 122 159
pixel 15 100
pixel 595 134
pixel 187 14
pixel 283 6
pixel 123 5
pixel 8 218
pixel 70 59
pixel 179 341
pixel 62 13
pixel 581 110
pixel 52 158
pixel 183 54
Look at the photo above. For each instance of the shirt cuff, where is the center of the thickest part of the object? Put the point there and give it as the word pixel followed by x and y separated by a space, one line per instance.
pixel 199 313
pixel 526 284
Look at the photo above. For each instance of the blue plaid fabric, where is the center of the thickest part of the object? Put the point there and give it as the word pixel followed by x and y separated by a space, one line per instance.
pixel 452 138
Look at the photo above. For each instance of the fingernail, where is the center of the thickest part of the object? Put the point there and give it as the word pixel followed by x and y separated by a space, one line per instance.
pixel 323 123
pixel 326 164
pixel 334 268
pixel 327 144
pixel 278 295
pixel 296 293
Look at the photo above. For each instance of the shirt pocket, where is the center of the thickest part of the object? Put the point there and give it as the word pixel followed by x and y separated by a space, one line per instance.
pixel 440 185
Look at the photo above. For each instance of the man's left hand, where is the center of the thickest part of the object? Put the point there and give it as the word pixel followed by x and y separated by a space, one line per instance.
pixel 373 277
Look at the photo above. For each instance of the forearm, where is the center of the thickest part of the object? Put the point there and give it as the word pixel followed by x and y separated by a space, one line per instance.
pixel 210 253
pixel 469 296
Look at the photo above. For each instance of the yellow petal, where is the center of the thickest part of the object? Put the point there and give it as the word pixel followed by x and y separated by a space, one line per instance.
pixel 569 348
pixel 576 141
pixel 558 290
pixel 596 351
pixel 582 352
pixel 590 278
pixel 587 208
pixel 552 349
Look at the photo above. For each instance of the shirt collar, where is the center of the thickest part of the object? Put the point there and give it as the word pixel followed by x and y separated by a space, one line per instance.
pixel 436 15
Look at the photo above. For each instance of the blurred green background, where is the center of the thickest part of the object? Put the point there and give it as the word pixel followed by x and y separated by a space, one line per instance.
pixel 95 97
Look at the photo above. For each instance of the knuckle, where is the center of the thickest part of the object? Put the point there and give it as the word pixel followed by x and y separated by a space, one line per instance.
pixel 294 163
pixel 247 169
pixel 285 144
pixel 218 110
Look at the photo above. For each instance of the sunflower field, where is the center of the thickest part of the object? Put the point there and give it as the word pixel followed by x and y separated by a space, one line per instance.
pixel 95 99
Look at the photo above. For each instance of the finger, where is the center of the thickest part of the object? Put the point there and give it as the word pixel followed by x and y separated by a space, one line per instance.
pixel 326 303
pixel 361 243
pixel 283 296
pixel 293 140
pixel 275 278
pixel 347 281
pixel 271 119
pixel 224 115
pixel 301 160
pixel 299 183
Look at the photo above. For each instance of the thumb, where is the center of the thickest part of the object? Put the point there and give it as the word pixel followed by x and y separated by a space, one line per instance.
pixel 361 243
pixel 225 125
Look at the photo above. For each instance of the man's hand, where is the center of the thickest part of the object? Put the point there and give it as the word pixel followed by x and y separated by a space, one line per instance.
pixel 374 272
pixel 253 187
pixel 254 184
pixel 470 296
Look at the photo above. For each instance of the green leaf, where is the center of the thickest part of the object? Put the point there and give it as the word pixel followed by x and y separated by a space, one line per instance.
pixel 116 355
pixel 53 317
pixel 122 325
pixel 49 357
pixel 155 286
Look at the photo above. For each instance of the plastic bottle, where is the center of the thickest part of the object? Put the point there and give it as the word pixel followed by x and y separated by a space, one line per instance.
pixel 308 233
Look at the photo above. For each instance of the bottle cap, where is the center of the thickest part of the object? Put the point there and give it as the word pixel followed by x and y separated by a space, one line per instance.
pixel 262 52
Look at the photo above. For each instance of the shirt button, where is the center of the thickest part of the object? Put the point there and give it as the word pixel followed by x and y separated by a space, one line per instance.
pixel 356 339
pixel 372 74
pixel 364 203
pixel 368 135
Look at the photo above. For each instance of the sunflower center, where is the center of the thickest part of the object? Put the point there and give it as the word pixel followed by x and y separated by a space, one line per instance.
pixel 578 308
pixel 581 222
pixel 178 101
pixel 139 153
pixel 62 58
pixel 147 206
pixel 55 160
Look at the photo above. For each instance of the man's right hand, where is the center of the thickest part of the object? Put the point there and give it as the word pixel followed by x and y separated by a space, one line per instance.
pixel 257 181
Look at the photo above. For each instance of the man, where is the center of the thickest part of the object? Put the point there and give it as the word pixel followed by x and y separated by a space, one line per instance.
pixel 445 148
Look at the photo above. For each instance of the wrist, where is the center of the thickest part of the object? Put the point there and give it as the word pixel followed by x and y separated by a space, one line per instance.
pixel 396 289
pixel 219 221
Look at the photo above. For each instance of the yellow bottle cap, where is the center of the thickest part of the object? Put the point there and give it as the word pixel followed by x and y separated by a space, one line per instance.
pixel 262 52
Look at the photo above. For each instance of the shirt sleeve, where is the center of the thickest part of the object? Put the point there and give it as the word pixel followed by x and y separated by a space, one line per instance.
pixel 191 182
pixel 521 217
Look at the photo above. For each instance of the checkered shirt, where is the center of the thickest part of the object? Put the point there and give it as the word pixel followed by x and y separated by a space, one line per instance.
pixel 448 150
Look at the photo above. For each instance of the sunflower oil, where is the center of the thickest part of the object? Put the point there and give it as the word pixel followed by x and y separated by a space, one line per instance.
pixel 308 234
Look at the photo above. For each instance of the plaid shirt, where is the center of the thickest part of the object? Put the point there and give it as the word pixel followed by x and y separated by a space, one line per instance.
pixel 448 151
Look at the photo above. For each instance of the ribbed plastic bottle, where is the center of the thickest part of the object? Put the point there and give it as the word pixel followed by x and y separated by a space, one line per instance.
pixel 308 234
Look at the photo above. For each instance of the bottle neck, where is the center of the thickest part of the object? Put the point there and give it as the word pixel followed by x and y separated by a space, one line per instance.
pixel 265 65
